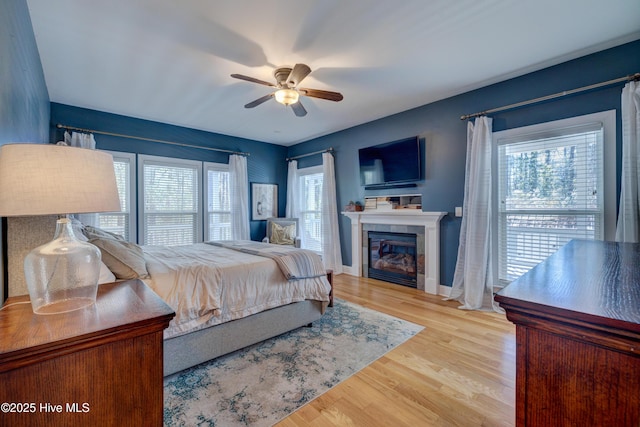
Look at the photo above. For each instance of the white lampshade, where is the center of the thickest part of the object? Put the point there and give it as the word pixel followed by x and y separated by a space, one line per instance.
pixel 287 96
pixel 45 179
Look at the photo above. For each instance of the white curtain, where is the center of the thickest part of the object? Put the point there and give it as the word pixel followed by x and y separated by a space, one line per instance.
pixel 628 228
pixel 473 279
pixel 293 207
pixel 83 140
pixel 239 189
pixel 331 253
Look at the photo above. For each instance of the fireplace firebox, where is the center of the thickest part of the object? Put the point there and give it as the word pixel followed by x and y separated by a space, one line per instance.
pixel 393 257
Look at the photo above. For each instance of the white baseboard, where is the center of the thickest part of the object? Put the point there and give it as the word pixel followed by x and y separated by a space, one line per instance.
pixel 347 269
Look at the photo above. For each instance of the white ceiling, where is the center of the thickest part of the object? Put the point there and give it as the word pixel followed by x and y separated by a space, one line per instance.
pixel 170 61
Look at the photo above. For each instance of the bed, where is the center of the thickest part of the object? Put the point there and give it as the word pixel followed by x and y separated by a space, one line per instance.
pixel 129 261
pixel 226 295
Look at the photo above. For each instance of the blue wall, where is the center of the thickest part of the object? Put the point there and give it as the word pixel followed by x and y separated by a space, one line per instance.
pixel 266 163
pixel 24 101
pixel 445 134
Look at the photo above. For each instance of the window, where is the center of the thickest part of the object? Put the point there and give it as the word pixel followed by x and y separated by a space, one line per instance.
pixel 121 223
pixel 551 188
pixel 310 187
pixel 218 202
pixel 169 201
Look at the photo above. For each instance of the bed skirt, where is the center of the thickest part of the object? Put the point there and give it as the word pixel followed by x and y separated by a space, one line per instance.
pixel 191 349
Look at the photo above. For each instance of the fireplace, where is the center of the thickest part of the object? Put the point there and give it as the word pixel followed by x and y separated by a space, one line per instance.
pixel 393 257
pixel 426 226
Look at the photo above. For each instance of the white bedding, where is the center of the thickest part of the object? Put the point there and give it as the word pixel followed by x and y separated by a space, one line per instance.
pixel 207 285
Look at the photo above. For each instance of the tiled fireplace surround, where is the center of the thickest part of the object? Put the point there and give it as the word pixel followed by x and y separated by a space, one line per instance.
pixel 426 226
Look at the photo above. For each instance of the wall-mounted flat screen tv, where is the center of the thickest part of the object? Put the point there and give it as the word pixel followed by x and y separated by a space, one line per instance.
pixel 391 163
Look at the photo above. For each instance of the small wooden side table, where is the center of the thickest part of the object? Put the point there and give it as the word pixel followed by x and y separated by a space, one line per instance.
pixel 99 366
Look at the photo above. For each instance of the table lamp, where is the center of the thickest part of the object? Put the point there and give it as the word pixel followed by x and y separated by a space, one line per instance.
pixel 46 179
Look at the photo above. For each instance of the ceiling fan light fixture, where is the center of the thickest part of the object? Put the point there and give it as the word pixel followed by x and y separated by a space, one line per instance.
pixel 287 96
pixel 286 89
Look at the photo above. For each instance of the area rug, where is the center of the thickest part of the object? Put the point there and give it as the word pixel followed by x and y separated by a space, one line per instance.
pixel 262 384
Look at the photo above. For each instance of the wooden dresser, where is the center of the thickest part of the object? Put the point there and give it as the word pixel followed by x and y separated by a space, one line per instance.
pixel 99 366
pixel 577 318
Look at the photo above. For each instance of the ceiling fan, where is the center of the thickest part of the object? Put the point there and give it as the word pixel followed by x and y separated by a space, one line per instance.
pixel 288 92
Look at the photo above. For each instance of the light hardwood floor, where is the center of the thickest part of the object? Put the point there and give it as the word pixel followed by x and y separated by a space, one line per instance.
pixel 458 371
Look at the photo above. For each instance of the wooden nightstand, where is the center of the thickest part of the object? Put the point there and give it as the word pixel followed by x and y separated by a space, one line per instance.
pixel 99 366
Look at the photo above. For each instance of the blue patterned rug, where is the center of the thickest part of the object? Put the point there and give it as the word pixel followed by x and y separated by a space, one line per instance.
pixel 262 384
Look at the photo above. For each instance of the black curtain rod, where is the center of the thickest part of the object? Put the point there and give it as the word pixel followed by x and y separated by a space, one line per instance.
pixel 241 153
pixel 635 76
pixel 328 150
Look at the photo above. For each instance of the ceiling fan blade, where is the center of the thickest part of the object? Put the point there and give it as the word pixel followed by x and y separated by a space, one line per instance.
pixel 322 94
pixel 252 80
pixel 297 74
pixel 298 109
pixel 259 101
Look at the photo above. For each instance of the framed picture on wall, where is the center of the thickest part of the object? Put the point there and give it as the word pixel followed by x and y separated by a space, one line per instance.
pixel 264 201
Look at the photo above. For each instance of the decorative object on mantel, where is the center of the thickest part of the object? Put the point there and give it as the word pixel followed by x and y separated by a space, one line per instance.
pixel 45 179
pixel 354 207
pixel 370 203
pixel 410 206
pixel 387 203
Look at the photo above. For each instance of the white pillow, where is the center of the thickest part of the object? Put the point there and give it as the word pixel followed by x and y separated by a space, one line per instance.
pixel 124 259
pixel 282 234
pixel 106 276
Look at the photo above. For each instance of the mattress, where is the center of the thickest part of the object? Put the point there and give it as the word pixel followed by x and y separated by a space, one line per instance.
pixel 208 285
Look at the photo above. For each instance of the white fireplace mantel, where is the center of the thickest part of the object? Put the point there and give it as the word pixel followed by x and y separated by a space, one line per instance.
pixel 429 220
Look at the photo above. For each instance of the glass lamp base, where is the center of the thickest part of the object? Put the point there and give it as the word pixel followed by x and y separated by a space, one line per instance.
pixel 62 275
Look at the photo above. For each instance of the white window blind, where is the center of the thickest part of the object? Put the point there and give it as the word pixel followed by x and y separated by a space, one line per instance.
pixel 311 208
pixel 218 202
pixel 169 199
pixel 550 190
pixel 121 222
